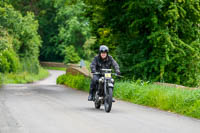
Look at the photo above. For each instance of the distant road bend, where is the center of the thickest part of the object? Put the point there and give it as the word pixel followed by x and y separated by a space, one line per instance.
pixel 45 107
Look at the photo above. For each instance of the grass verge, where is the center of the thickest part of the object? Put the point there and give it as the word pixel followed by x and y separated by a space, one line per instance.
pixel 1 79
pixel 181 101
pixel 78 81
pixel 56 68
pixel 24 77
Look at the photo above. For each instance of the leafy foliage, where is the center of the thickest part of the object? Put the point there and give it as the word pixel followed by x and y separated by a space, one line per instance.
pixel 152 40
pixel 19 39
pixel 9 61
pixel 70 55
pixel 74 81
pixel 73 26
pixel 62 23
pixel 87 47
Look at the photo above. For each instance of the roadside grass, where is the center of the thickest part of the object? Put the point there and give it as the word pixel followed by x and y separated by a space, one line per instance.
pixel 24 77
pixel 77 81
pixel 1 79
pixel 182 101
pixel 56 68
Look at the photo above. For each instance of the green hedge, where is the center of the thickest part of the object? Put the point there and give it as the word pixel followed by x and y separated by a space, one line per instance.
pixel 77 81
pixel 181 101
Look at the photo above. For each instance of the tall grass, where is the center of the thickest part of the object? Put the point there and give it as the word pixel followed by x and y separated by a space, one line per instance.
pixel 56 68
pixel 181 101
pixel 1 79
pixel 24 77
pixel 77 81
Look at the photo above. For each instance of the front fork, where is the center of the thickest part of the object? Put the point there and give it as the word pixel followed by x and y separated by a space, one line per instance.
pixel 105 88
pixel 108 84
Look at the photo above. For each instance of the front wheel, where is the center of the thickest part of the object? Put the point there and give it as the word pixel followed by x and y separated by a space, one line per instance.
pixel 97 102
pixel 108 100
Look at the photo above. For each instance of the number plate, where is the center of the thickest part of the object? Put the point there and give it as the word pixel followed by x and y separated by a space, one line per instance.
pixel 108 75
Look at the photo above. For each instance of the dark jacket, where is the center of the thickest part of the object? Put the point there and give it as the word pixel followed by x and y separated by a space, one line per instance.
pixel 98 64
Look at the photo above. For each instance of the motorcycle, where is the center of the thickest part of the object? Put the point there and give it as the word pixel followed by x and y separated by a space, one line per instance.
pixel 104 92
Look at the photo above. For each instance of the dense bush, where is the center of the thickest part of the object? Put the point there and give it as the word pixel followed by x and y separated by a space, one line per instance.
pixel 78 81
pixel 19 39
pixel 70 55
pixel 152 40
pixel 9 60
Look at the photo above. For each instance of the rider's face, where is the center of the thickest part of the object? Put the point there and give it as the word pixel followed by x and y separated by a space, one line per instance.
pixel 103 55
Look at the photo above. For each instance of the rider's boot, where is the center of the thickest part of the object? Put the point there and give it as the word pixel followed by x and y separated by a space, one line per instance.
pixel 113 100
pixel 91 96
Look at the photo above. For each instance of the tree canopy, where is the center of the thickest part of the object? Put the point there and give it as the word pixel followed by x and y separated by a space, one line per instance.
pixel 152 40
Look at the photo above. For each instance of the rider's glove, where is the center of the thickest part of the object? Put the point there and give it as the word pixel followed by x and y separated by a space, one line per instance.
pixel 118 72
pixel 93 71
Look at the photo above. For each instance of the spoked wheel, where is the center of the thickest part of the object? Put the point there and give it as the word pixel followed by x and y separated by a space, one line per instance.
pixel 97 102
pixel 108 100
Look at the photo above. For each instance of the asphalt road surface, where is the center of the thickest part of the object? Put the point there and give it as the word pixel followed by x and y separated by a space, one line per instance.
pixel 45 107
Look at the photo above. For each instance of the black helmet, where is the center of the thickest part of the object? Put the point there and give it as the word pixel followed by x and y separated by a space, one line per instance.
pixel 103 49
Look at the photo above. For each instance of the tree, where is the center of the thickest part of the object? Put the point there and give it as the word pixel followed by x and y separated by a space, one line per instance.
pixel 71 56
pixel 61 23
pixel 19 39
pixel 73 26
pixel 153 40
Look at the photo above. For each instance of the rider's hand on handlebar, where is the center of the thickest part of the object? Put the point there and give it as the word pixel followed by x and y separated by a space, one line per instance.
pixel 93 71
pixel 118 73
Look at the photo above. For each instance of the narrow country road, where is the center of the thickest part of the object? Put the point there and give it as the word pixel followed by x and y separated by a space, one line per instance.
pixel 45 107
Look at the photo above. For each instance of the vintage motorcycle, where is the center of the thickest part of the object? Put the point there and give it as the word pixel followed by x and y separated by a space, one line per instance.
pixel 104 92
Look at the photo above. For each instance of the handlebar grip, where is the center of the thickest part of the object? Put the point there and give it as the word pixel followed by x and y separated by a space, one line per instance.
pixel 95 73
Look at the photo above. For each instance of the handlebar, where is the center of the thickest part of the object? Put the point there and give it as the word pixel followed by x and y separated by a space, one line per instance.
pixel 96 73
pixel 115 74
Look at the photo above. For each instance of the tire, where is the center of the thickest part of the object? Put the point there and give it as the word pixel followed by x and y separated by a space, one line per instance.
pixel 97 103
pixel 108 100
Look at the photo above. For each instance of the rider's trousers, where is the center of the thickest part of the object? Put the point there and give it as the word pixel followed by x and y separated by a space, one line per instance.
pixel 94 83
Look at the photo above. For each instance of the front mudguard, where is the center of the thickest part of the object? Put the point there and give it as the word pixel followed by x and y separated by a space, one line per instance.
pixel 110 85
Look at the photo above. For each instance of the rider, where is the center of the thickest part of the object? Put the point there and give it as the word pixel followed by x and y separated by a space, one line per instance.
pixel 101 61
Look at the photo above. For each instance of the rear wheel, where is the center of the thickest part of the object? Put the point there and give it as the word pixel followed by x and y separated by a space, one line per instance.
pixel 108 100
pixel 97 105
pixel 97 102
